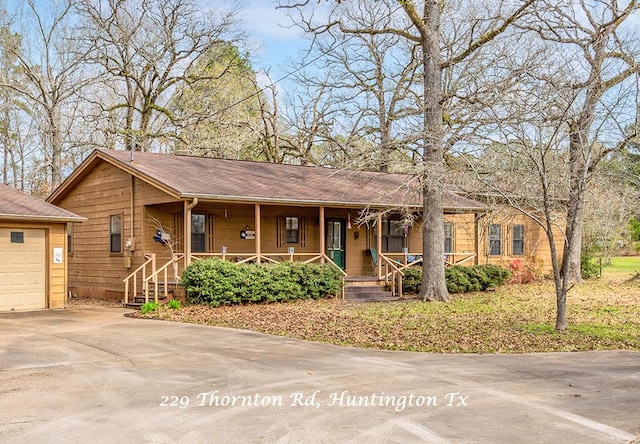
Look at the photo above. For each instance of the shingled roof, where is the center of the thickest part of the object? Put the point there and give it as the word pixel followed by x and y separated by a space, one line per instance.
pixel 186 177
pixel 15 205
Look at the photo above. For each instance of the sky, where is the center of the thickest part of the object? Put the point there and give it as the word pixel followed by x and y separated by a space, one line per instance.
pixel 269 31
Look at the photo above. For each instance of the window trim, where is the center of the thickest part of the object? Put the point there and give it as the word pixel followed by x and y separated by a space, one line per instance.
pixel 521 240
pixel 386 235
pixel 112 234
pixel 452 237
pixel 288 231
pixel 493 240
pixel 70 243
pixel 204 232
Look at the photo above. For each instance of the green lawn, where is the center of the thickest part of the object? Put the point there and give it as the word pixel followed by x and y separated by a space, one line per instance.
pixel 622 265
pixel 603 314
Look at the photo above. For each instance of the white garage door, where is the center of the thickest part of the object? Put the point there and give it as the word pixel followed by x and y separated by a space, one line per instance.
pixel 22 269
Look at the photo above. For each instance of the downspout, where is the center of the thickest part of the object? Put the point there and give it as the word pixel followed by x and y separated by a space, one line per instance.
pixel 132 242
pixel 187 230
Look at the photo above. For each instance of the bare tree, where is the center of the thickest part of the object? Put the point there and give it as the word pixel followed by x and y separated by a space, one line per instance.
pixel 574 109
pixel 51 73
pixel 609 205
pixel 600 38
pixel 145 49
pixel 367 79
pixel 419 23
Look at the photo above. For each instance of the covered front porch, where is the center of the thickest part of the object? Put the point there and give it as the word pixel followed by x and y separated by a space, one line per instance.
pixel 178 233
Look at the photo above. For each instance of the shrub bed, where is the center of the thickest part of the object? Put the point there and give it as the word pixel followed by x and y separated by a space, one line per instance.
pixel 460 279
pixel 216 282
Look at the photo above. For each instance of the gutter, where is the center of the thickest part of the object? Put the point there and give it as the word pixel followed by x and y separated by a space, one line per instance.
pixel 300 203
pixel 25 217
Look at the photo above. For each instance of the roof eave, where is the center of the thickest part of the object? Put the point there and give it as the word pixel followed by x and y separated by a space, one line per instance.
pixel 315 203
pixel 279 201
pixel 67 184
pixel 40 218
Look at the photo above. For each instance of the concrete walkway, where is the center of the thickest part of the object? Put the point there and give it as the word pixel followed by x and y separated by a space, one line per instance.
pixel 95 376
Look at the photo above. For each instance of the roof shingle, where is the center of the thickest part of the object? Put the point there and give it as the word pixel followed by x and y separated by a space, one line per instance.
pixel 17 205
pixel 236 180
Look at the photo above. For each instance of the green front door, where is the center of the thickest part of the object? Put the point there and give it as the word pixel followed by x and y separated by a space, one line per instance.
pixel 335 241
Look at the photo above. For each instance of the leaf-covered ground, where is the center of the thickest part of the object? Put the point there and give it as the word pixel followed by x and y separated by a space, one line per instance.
pixel 603 314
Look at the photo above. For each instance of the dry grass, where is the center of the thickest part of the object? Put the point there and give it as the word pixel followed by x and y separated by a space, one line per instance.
pixel 603 314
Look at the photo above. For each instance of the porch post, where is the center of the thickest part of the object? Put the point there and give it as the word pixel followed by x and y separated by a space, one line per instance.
pixel 257 240
pixel 187 230
pixel 379 243
pixel 322 236
pixel 187 233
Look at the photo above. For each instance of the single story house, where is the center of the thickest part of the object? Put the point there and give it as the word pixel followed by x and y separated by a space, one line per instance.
pixel 150 215
pixel 33 252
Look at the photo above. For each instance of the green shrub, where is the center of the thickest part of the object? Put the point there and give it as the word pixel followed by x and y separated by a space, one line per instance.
pixel 173 304
pixel 634 228
pixel 460 279
pixel 216 282
pixel 588 267
pixel 412 280
pixel 457 280
pixel 148 307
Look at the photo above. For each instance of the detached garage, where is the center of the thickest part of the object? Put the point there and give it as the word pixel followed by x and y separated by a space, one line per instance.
pixel 33 252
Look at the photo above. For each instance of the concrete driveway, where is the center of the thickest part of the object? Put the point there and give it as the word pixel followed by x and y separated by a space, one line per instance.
pixel 96 376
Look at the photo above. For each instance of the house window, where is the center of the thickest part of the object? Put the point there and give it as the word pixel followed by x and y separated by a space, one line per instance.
pixel 517 240
pixel 495 240
pixel 115 234
pixel 70 238
pixel 17 237
pixel 292 230
pixel 198 233
pixel 392 236
pixel 448 237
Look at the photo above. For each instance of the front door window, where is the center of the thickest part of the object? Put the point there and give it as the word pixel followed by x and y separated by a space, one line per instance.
pixel 335 242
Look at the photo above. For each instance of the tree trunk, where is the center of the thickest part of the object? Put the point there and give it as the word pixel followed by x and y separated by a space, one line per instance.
pixel 571 262
pixel 561 306
pixel 434 287
pixel 572 265
pixel 558 278
pixel 56 150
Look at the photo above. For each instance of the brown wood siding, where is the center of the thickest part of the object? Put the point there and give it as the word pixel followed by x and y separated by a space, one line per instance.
pixel 536 245
pixel 103 192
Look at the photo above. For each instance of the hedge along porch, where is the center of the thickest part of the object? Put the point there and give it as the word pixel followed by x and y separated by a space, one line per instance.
pixel 241 211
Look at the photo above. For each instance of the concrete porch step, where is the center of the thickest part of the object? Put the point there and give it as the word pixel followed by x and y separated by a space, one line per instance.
pixel 374 291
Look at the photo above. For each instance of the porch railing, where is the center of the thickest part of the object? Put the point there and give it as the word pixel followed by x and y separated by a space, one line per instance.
pixel 396 263
pixel 153 278
pixel 140 271
pixel 394 266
